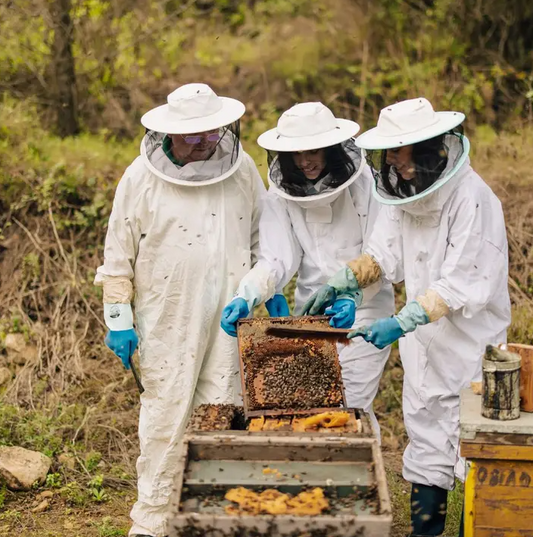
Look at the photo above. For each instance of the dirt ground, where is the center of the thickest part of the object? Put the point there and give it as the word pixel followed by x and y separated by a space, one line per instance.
pixel 109 519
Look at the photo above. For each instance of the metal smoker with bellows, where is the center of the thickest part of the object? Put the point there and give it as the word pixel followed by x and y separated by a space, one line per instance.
pixel 293 461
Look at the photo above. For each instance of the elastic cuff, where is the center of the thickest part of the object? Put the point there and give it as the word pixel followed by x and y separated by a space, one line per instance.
pixel 411 316
pixel 434 305
pixel 366 270
pixel 118 317
pixel 117 290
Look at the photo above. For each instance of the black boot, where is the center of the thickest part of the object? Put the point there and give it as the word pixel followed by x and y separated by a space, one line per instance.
pixel 428 510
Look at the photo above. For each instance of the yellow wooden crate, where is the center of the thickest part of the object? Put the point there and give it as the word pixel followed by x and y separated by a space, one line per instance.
pixel 499 485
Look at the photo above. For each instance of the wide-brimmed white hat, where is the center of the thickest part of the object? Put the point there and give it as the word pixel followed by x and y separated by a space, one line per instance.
pixel 193 108
pixel 307 126
pixel 408 122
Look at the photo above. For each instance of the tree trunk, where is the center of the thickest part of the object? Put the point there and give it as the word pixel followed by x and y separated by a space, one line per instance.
pixel 63 69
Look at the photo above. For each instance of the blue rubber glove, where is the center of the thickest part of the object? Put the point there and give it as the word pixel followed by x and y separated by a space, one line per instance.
pixel 235 310
pixel 343 311
pixel 381 333
pixel 277 306
pixel 123 343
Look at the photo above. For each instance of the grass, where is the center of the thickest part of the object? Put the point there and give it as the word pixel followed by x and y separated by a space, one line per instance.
pixel 107 529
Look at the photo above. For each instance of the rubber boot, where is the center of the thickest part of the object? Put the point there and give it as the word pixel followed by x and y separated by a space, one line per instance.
pixel 428 510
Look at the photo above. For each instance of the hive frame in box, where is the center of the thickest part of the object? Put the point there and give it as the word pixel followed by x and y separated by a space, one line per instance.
pixel 219 448
pixel 359 414
pixel 273 321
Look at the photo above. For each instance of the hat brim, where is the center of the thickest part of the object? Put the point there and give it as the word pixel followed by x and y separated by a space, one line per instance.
pixel 373 139
pixel 159 119
pixel 273 141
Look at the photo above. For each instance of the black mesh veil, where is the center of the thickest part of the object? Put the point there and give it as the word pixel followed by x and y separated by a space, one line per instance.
pixel 431 160
pixel 221 161
pixel 342 161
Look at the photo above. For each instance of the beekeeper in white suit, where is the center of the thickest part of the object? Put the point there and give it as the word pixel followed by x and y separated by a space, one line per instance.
pixel 318 214
pixel 443 233
pixel 183 231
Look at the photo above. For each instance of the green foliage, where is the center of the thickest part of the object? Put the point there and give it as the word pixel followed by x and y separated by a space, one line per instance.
pixel 106 528
pixel 92 460
pixel 96 489
pixel 3 491
pixel 39 430
pixel 74 495
pixel 53 481
pixel 356 56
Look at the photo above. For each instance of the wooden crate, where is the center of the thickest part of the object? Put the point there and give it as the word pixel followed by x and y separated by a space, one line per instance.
pixel 526 374
pixel 345 467
pixel 499 485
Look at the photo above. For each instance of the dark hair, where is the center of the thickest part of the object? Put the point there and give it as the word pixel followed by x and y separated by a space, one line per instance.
pixel 338 165
pixel 430 158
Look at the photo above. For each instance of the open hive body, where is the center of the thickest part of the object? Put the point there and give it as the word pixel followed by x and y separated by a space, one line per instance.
pixel 221 452
pixel 348 469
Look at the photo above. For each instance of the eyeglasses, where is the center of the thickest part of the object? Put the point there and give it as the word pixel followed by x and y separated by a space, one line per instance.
pixel 197 138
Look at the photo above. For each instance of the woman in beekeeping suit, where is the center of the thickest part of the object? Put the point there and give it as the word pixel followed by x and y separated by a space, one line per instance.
pixel 318 214
pixel 442 232
pixel 184 230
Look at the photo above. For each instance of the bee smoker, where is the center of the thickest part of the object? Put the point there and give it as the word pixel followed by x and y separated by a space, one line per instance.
pixel 501 384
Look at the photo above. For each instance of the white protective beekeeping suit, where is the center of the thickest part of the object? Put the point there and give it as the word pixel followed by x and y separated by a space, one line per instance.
pixel 449 240
pixel 316 235
pixel 185 235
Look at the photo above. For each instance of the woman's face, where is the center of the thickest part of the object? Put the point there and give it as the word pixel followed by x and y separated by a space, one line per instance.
pixel 402 160
pixel 311 163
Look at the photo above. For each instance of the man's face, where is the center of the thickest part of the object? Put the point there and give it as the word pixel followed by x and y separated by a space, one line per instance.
pixel 193 147
pixel 402 160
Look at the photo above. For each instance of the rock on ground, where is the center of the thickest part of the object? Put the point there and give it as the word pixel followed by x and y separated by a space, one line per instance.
pixel 18 351
pixel 5 375
pixel 43 506
pixel 67 461
pixel 22 468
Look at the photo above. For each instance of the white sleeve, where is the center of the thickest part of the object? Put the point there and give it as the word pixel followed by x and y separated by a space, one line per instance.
pixel 372 210
pixel 475 268
pixel 280 254
pixel 122 241
pixel 385 244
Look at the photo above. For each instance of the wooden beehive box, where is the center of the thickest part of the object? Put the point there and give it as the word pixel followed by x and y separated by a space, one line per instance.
pixel 499 485
pixel 283 376
pixel 349 470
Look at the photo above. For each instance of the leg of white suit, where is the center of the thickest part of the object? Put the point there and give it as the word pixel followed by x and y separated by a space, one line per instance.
pixel 432 455
pixel 362 366
pixel 163 418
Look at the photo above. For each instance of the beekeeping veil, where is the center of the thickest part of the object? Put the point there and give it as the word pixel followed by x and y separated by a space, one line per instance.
pixel 193 109
pixel 439 150
pixel 308 127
